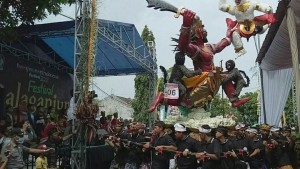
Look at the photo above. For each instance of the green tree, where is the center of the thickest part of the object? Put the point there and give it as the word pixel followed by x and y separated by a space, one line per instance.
pixel 147 35
pixel 223 107
pixel 248 111
pixel 14 13
pixel 140 103
pixel 219 107
pixel 291 119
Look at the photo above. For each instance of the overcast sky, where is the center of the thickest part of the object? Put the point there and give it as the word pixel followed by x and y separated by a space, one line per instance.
pixel 164 26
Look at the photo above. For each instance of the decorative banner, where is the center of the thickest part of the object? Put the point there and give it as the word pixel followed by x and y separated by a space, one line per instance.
pixel 33 83
pixel 172 91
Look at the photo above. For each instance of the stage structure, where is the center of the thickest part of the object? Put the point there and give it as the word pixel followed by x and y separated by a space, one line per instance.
pixel 119 50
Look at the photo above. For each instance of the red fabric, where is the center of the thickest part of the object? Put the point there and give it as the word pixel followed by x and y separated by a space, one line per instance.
pixel 114 122
pixel 229 89
pixel 47 129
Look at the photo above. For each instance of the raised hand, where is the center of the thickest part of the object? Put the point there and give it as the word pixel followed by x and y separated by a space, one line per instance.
pixel 188 18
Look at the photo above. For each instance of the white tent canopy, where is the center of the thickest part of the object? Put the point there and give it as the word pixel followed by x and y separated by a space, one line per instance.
pixel 280 64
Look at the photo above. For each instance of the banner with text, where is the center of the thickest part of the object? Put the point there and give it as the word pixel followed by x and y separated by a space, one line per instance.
pixel 33 83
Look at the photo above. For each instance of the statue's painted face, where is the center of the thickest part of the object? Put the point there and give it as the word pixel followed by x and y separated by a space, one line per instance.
pixel 230 65
pixel 201 33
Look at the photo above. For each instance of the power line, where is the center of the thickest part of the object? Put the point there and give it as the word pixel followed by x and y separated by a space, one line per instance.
pixel 114 98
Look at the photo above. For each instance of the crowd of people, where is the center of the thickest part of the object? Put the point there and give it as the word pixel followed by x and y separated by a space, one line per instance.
pixel 33 130
pixel 30 129
pixel 236 147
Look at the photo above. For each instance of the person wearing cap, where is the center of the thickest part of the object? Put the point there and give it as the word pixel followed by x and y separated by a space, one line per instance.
pixel 279 151
pixel 256 155
pixel 227 161
pixel 15 150
pixel 162 142
pixel 241 141
pixel 242 145
pixel 41 162
pixel 264 131
pixel 185 144
pixel 210 149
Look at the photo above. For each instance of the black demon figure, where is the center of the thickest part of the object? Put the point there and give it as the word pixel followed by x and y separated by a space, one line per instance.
pixel 233 82
pixel 178 72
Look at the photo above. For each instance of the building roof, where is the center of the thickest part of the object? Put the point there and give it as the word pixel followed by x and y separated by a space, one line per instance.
pixel 119 99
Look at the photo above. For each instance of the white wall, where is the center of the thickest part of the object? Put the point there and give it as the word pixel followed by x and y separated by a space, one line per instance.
pixel 111 106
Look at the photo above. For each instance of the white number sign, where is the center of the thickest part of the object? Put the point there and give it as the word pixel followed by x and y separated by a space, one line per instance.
pixel 172 91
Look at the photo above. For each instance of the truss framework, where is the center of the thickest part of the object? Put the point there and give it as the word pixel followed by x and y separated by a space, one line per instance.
pixel 128 49
pixel 82 8
pixel 6 48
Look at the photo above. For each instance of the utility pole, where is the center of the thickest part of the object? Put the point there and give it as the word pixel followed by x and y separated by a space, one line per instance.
pixel 223 105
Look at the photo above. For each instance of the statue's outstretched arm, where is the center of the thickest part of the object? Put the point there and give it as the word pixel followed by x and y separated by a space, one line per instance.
pixel 221 45
pixel 223 6
pixel 263 7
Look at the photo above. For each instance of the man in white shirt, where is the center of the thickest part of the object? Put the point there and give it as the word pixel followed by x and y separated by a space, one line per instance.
pixel 70 113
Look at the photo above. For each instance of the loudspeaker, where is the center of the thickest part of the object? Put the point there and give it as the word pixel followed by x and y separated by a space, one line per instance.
pixel 2 105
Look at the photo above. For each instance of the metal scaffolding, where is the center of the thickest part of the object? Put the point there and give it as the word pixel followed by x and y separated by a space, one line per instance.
pixel 114 39
pixel 82 8
pixel 7 48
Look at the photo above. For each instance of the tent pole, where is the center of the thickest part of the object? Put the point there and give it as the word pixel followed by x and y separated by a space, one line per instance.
pixel 263 96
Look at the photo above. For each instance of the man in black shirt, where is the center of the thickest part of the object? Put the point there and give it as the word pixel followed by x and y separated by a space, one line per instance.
pixel 227 161
pixel 255 155
pixel 134 158
pixel 52 142
pixel 185 144
pixel 287 133
pixel 242 145
pixel 264 131
pixel 278 151
pixel 121 152
pixel 212 149
pixel 160 158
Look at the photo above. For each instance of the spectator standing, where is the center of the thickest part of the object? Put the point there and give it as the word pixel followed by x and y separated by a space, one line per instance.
pixel 114 121
pixel 15 150
pixel 20 114
pixel 41 162
pixel 103 120
pixel 70 110
pixel 31 116
pixel 39 121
